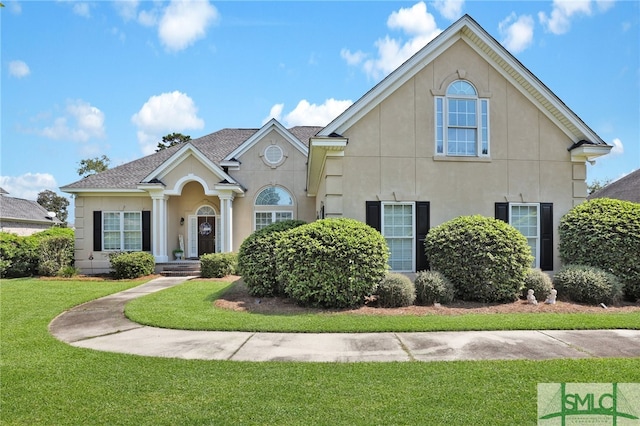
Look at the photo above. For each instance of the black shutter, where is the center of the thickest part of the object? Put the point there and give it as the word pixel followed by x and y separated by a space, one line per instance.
pixel 97 230
pixel 502 212
pixel 374 216
pixel 546 236
pixel 422 229
pixel 146 230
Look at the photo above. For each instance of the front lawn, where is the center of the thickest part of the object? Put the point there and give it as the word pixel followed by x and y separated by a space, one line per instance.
pixel 47 382
pixel 190 306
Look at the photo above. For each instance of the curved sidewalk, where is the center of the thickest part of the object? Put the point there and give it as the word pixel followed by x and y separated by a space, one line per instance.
pixel 101 325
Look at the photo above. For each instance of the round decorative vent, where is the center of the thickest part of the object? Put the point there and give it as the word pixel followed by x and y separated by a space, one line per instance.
pixel 273 154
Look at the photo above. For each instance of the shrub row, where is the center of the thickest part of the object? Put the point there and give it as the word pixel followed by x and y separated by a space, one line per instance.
pixel 330 263
pixel 47 253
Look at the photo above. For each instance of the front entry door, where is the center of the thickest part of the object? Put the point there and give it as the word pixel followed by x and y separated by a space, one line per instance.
pixel 206 234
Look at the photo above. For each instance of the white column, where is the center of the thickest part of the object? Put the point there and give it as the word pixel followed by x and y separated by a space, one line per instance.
pixel 159 227
pixel 226 221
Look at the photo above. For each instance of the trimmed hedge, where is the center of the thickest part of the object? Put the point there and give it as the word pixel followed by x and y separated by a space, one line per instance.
pixel 485 258
pixel 588 284
pixel 257 259
pixel 218 265
pixel 24 256
pixel 331 263
pixel 432 287
pixel 394 291
pixel 539 282
pixel 131 265
pixel 604 233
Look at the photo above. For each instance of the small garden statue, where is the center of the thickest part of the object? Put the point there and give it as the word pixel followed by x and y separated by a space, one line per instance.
pixel 531 299
pixel 551 300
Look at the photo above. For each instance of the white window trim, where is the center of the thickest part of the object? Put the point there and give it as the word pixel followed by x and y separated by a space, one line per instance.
pixel 121 230
pixel 445 124
pixel 413 230
pixel 538 237
pixel 273 215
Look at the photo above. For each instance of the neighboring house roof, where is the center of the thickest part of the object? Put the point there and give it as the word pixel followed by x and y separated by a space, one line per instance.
pixel 21 210
pixel 215 146
pixel 626 188
pixel 505 63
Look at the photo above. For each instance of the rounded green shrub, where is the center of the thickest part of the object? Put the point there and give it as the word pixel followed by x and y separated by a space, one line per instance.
pixel 588 284
pixel 485 258
pixel 331 263
pixel 257 259
pixel 218 265
pixel 131 265
pixel 18 256
pixel 394 291
pixel 604 233
pixel 539 282
pixel 432 287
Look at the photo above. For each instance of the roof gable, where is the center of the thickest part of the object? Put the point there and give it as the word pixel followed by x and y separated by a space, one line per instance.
pixel 469 31
pixel 272 124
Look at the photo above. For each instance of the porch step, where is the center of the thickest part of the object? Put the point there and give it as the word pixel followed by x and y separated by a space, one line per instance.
pixel 181 268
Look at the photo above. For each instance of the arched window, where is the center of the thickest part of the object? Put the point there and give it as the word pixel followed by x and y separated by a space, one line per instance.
pixel 273 204
pixel 462 122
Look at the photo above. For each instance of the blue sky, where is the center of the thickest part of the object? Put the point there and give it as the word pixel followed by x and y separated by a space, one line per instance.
pixel 83 79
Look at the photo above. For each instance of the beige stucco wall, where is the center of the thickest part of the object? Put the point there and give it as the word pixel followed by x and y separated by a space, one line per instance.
pixel 390 153
pixel 256 175
pixel 22 228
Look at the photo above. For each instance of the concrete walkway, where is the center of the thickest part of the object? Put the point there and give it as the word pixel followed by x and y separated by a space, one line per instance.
pixel 101 325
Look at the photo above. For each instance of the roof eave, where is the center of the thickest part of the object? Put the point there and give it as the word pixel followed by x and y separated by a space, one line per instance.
pixel 319 149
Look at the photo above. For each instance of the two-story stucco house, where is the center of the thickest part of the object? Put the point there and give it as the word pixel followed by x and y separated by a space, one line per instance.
pixel 461 128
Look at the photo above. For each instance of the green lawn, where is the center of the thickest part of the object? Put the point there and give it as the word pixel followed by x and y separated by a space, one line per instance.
pixel 47 382
pixel 189 306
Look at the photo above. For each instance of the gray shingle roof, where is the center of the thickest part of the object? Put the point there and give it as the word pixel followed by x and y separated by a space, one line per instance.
pixel 626 188
pixel 215 146
pixel 19 209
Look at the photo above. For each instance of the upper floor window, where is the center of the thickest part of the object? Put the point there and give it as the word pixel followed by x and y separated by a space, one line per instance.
pixel 462 122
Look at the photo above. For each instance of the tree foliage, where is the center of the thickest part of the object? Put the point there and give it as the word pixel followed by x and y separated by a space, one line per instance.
pixel 597 185
pixel 54 203
pixel 172 139
pixel 91 166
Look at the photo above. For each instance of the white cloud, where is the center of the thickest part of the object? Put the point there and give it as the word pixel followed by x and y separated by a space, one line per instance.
pixel 517 32
pixel 128 9
pixel 19 69
pixel 563 11
pixel 184 22
pixel 450 9
pixel 148 18
pixel 82 9
pixel 14 6
pixel 306 114
pixel 618 147
pixel 167 112
pixel 604 5
pixel 415 21
pixel 28 185
pixel 79 123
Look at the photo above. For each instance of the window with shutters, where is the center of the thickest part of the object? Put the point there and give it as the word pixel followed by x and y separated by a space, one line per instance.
pixel 122 231
pixel 462 122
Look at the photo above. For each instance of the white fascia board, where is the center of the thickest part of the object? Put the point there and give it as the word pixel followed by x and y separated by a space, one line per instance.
pixel 271 124
pixel 231 164
pixel 589 152
pixel 181 155
pixel 237 189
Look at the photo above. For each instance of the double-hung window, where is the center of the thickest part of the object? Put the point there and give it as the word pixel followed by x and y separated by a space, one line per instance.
pixel 122 231
pixel 462 122
pixel 398 229
pixel 273 204
pixel 526 219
